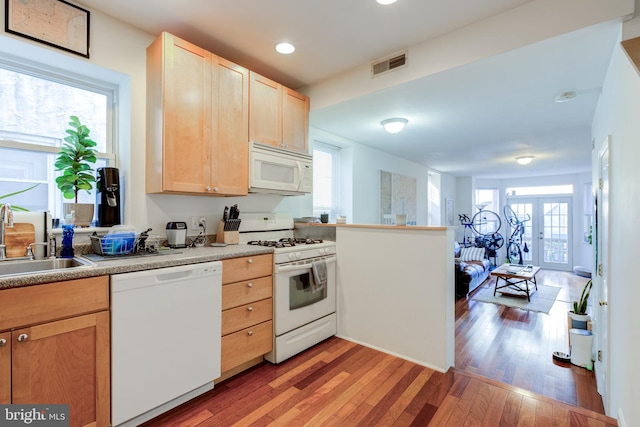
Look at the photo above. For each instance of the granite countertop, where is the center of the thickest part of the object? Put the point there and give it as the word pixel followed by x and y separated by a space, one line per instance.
pixel 126 265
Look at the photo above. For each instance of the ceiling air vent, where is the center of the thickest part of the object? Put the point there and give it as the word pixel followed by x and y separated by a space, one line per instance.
pixel 388 64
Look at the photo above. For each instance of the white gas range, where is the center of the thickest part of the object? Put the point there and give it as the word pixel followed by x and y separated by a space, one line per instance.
pixel 304 308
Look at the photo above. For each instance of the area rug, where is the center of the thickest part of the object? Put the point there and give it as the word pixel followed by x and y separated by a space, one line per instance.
pixel 541 300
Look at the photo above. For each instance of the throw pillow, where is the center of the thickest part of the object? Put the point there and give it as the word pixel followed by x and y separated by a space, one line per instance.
pixel 472 254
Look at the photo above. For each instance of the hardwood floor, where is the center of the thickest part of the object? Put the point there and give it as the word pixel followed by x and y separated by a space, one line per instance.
pixel 515 346
pixel 340 383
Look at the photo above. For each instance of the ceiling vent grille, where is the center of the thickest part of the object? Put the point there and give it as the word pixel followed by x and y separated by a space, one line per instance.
pixel 389 64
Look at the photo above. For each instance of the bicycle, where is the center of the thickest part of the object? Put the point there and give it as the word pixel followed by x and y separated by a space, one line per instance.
pixel 514 250
pixel 482 230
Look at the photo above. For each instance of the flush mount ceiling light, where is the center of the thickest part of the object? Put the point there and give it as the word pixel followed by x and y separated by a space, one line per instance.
pixel 565 96
pixel 524 160
pixel 394 125
pixel 386 2
pixel 285 48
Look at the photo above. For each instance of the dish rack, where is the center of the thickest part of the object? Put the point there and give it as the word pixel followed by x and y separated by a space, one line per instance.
pixel 114 244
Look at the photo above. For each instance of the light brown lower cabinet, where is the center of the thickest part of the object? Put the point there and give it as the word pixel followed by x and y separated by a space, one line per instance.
pixel 247 312
pixel 62 361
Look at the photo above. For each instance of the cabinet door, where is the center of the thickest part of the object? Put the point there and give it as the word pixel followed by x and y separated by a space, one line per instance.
pixel 265 110
pixel 181 85
pixel 65 362
pixel 5 368
pixel 230 123
pixel 295 120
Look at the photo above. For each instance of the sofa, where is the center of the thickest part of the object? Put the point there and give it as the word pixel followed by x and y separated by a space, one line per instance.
pixel 472 268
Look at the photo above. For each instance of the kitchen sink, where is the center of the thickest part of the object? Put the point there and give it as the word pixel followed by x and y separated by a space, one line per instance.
pixel 25 266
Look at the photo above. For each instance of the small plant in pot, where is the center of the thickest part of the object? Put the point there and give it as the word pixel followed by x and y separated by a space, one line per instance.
pixel 579 317
pixel 75 160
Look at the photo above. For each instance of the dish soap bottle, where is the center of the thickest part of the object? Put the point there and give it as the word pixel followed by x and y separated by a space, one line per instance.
pixel 67 241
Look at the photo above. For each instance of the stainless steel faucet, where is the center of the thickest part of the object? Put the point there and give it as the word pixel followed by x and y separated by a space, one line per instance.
pixel 5 210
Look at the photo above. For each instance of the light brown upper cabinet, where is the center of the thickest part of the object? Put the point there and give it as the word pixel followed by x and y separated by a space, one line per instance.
pixel 278 115
pixel 197 121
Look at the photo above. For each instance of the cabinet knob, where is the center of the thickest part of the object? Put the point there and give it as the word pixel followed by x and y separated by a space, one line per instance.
pixel 2 342
pixel 208 188
pixel 249 308
pixel 216 189
pixel 250 333
pixel 250 285
pixel 250 261
pixel 23 337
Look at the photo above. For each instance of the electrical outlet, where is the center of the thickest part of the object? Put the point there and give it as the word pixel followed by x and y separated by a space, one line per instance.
pixel 196 221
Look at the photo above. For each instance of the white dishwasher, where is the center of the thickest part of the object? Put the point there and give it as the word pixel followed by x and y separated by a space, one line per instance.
pixel 165 338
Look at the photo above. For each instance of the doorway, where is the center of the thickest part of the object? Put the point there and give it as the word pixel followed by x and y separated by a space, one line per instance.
pixel 547 238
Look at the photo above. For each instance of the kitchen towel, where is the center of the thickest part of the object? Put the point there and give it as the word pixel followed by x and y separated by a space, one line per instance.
pixel 319 276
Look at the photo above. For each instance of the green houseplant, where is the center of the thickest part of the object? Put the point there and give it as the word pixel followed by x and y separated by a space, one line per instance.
pixel 15 207
pixel 579 317
pixel 75 160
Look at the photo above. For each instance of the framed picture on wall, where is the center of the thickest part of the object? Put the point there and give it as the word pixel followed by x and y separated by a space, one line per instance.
pixel 52 22
pixel 450 207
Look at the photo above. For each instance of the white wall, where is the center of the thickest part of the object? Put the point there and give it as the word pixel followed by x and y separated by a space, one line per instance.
pixel 617 116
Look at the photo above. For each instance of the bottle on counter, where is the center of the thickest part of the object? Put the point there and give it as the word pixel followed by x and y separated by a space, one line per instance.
pixel 67 241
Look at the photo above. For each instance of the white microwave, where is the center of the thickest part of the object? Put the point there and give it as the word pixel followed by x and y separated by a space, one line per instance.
pixel 278 171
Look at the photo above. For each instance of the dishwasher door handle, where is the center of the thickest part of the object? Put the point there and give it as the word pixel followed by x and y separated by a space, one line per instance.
pixel 171 277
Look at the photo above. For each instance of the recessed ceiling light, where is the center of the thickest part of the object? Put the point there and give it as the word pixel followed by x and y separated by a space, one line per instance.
pixel 394 125
pixel 285 48
pixel 565 96
pixel 386 2
pixel 524 160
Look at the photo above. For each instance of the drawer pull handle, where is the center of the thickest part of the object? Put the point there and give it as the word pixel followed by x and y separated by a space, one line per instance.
pixel 2 342
pixel 250 261
pixel 249 308
pixel 250 285
pixel 250 333
pixel 23 337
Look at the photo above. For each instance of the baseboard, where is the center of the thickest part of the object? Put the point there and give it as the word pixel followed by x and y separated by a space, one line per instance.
pixel 621 421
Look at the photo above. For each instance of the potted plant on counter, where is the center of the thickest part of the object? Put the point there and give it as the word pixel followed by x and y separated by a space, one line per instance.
pixel 578 316
pixel 75 160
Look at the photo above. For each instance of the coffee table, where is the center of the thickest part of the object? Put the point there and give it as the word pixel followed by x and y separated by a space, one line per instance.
pixel 517 279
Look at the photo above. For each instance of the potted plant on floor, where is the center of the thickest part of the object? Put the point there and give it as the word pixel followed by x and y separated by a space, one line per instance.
pixel 75 159
pixel 578 316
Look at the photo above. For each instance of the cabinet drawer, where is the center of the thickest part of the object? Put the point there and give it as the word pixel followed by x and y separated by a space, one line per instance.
pixel 30 305
pixel 247 344
pixel 246 291
pixel 237 269
pixel 246 315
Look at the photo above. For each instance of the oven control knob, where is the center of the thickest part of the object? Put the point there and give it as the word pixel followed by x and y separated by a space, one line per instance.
pixel 292 257
pixel 323 251
pixel 298 255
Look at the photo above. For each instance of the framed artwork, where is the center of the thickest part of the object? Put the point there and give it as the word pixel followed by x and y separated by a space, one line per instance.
pixel 398 195
pixel 52 22
pixel 450 206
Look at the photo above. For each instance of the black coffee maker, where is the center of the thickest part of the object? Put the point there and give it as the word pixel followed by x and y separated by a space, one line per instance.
pixel 108 196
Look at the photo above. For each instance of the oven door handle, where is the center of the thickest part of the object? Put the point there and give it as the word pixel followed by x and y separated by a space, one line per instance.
pixel 287 268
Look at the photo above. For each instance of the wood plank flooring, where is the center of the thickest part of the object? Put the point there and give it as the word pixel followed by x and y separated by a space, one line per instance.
pixel 340 383
pixel 515 346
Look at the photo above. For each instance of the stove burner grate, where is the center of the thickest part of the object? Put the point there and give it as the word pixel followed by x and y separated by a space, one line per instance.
pixel 284 242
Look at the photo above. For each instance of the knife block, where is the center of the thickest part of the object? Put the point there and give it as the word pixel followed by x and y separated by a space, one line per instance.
pixel 228 237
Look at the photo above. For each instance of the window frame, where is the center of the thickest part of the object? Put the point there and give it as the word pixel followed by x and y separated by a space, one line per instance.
pixel 335 208
pixel 71 79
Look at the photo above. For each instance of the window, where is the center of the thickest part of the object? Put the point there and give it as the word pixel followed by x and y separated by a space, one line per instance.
pixel 326 196
pixel 35 106
pixel 487 198
pixel 540 191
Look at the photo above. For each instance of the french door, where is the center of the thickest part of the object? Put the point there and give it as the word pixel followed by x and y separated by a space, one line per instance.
pixel 547 239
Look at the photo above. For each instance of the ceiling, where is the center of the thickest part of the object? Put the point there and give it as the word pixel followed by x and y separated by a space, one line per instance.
pixel 469 121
